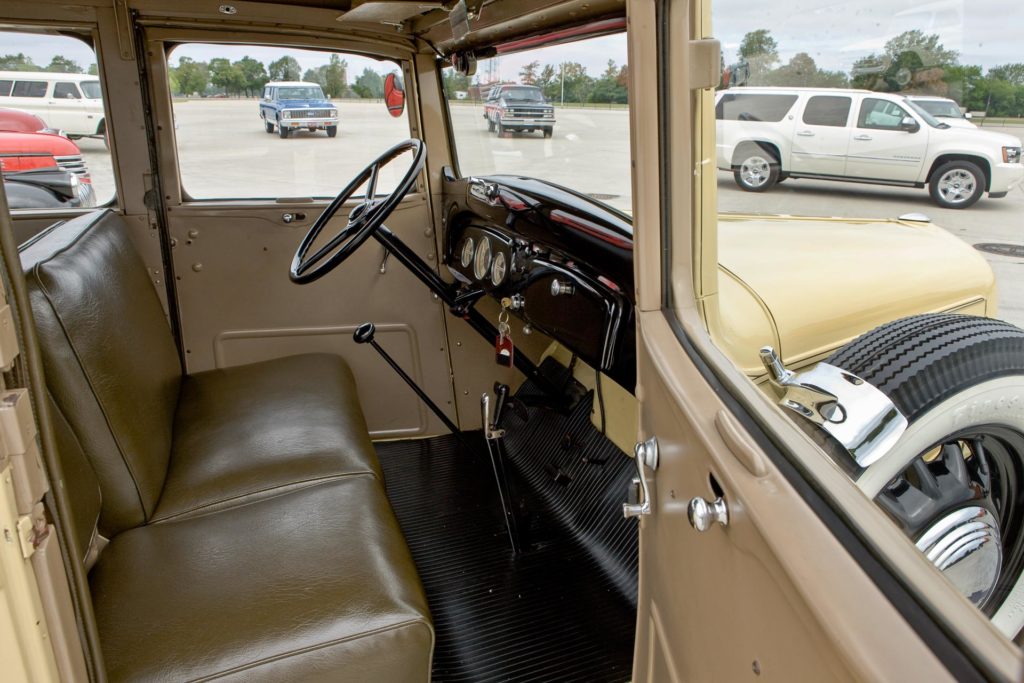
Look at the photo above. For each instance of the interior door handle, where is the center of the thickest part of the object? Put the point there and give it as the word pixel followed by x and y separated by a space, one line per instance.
pixel 805 134
pixel 862 137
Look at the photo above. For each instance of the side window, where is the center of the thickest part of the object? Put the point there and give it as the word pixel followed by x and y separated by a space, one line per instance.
pixel 324 121
pixel 79 157
pixel 66 91
pixel 880 114
pixel 754 107
pixel 827 110
pixel 29 89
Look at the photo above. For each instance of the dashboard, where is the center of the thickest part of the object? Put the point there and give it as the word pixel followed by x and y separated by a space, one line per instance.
pixel 561 262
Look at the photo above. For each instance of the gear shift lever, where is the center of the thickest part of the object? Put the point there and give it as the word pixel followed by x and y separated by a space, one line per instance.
pixel 364 335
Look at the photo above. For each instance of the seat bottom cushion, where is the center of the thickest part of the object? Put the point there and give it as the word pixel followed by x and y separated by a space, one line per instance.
pixel 254 430
pixel 314 585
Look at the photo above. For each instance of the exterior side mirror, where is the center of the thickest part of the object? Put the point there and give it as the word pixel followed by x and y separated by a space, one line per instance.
pixel 968 115
pixel 394 95
pixel 910 124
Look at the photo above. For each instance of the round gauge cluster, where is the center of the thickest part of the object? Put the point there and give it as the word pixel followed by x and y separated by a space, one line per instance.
pixel 485 258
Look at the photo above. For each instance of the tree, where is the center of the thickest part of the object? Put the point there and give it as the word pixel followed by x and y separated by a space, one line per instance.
pixel 913 61
pixel 547 81
pixel 254 75
pixel 335 77
pixel 577 82
pixel 454 82
pixel 1011 73
pixel 761 52
pixel 802 71
pixel 314 76
pixel 609 87
pixel 285 69
pixel 192 76
pixel 225 76
pixel 18 62
pixel 61 64
pixel 93 70
pixel 528 74
pixel 369 84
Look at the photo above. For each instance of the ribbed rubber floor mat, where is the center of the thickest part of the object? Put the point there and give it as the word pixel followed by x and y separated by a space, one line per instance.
pixel 563 610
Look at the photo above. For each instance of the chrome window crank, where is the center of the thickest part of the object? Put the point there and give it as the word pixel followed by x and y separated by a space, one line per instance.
pixel 646 453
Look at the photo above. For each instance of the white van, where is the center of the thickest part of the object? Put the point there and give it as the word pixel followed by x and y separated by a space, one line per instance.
pixel 72 103
pixel 766 135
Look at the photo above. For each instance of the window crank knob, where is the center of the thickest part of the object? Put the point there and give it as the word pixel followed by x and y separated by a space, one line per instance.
pixel 703 515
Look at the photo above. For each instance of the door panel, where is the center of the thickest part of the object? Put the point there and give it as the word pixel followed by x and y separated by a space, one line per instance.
pixel 879 151
pixel 770 596
pixel 819 148
pixel 239 306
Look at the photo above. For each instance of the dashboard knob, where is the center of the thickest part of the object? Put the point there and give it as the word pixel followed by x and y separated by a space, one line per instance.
pixel 559 288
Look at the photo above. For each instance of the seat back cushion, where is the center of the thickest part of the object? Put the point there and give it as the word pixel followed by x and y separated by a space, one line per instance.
pixel 109 358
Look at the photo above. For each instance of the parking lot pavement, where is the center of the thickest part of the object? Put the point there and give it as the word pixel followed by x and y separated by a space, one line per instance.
pixel 225 152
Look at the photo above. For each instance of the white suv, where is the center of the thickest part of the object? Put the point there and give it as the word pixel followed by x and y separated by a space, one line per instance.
pixel 766 135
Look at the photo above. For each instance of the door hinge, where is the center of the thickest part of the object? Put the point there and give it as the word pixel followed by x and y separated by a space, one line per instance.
pixel 32 530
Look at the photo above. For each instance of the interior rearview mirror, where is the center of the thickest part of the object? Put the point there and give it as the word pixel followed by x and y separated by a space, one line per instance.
pixel 394 95
pixel 910 124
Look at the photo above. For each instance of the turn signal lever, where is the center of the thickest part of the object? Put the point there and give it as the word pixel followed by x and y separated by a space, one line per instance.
pixel 364 334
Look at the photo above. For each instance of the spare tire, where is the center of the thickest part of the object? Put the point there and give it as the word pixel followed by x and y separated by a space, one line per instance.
pixel 954 482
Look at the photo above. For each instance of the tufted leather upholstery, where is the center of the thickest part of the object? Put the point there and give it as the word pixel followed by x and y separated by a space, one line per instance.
pixel 250 536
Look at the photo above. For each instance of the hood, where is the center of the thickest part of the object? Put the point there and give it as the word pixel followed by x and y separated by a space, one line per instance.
pixel 32 143
pixel 958 123
pixel 975 134
pixel 307 104
pixel 810 285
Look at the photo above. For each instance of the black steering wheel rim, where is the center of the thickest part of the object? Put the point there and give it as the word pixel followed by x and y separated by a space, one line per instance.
pixel 364 219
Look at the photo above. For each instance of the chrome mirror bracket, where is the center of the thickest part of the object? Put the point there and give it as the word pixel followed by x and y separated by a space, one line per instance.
pixel 855 413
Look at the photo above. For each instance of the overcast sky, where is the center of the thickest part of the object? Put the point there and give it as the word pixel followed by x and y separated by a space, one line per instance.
pixel 986 32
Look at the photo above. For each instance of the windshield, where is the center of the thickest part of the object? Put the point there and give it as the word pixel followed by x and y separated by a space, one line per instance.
pixel 929 119
pixel 91 89
pixel 523 94
pixel 308 92
pixel 938 109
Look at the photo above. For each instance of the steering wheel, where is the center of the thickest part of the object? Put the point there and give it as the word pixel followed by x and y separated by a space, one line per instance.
pixel 363 220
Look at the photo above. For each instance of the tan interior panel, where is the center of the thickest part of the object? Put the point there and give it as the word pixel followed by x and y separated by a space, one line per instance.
pixel 238 305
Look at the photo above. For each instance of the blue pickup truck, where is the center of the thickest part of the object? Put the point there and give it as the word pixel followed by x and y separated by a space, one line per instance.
pixel 295 105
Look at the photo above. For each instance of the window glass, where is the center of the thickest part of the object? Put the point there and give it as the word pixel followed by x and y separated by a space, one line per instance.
pixel 751 107
pixel 29 89
pixel 304 138
pixel 827 110
pixel 66 90
pixel 940 109
pixel 558 113
pixel 876 223
pixel 80 151
pixel 91 89
pixel 875 113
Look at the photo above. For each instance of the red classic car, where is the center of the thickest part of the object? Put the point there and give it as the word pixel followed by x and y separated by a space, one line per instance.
pixel 27 148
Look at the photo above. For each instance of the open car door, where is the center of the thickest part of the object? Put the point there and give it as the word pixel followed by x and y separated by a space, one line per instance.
pixel 748 569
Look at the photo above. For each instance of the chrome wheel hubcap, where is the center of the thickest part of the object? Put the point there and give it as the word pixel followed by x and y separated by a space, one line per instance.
pixel 957 186
pixel 965 546
pixel 755 171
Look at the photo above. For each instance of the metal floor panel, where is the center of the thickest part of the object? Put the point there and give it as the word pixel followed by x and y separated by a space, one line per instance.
pixel 565 608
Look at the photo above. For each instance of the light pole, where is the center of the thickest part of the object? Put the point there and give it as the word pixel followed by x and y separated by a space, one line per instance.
pixel 563 84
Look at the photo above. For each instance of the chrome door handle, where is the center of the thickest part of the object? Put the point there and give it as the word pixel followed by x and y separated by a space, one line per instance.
pixel 862 137
pixel 646 453
pixel 805 134
pixel 703 515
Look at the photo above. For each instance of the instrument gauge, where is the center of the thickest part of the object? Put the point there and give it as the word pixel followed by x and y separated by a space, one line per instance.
pixel 482 261
pixel 466 257
pixel 499 268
